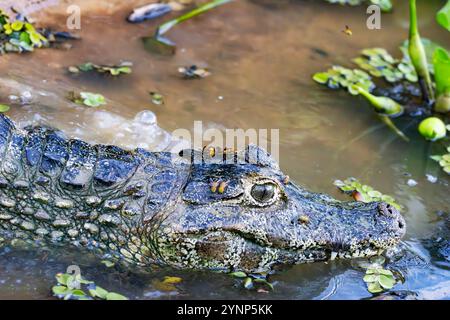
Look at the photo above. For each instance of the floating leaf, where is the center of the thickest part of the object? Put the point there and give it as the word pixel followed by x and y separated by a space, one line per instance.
pixel 108 263
pixel 4 107
pixel 379 279
pixel 367 193
pixel 443 16
pixel 248 283
pixel 98 292
pixel 385 5
pixel 172 280
pixel 340 77
pixel 157 98
pixel 69 288
pixel 60 290
pixel 87 98
pixel 239 274
pixel 115 296
pixel 443 160
pixel 379 63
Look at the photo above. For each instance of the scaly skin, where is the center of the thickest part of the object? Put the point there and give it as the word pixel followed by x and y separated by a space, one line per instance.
pixel 157 208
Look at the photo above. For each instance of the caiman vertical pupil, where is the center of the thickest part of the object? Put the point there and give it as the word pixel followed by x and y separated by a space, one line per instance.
pixel 263 192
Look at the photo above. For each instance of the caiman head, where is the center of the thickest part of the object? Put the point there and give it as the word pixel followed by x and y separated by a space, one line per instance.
pixel 247 216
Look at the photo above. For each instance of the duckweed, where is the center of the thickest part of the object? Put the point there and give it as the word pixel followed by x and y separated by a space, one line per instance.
pixel 444 160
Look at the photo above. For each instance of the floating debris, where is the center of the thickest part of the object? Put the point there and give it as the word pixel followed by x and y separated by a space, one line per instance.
pixel 87 98
pixel 157 98
pixel 194 72
pixel 431 178
pixel 364 193
pixel 113 70
pixel 411 183
pixel 149 12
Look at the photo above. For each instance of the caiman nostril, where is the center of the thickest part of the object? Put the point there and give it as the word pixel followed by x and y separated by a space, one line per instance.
pixel 387 210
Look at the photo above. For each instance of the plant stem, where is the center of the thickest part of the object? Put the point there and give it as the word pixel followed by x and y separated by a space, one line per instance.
pixel 418 56
pixel 203 8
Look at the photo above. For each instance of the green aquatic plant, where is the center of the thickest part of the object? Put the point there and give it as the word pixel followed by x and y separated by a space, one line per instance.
pixel 157 98
pixel 113 70
pixel 385 5
pixel 443 16
pixel 364 193
pixel 87 98
pixel 429 46
pixel 19 36
pixel 444 160
pixel 382 105
pixel 250 282
pixel 379 63
pixel 70 287
pixel 167 284
pixel 356 82
pixel 340 77
pixel 432 128
pixel 159 44
pixel 379 279
pixel 3 108
pixel 417 54
pixel 441 62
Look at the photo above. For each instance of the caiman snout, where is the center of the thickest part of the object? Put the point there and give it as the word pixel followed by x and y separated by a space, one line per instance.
pixel 398 222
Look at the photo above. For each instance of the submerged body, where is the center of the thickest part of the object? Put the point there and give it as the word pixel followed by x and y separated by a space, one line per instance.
pixel 235 211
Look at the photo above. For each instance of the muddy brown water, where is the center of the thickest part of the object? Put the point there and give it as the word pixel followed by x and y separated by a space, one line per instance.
pixel 261 55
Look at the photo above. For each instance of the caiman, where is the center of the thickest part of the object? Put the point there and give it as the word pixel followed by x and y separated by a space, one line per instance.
pixel 226 212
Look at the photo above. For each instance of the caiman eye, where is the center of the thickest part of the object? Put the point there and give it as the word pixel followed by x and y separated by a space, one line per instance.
pixel 263 192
